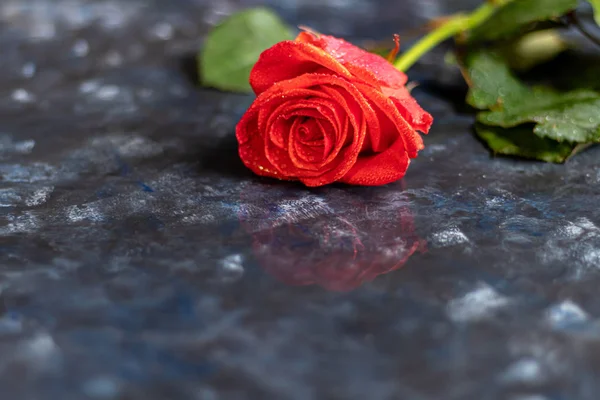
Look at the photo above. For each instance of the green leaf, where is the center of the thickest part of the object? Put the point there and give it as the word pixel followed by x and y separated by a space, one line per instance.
pixel 596 5
pixel 521 142
pixel 492 85
pixel 520 16
pixel 533 122
pixel 233 47
pixel 572 117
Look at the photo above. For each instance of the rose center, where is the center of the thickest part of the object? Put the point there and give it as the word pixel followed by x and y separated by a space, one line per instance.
pixel 309 132
pixel 308 142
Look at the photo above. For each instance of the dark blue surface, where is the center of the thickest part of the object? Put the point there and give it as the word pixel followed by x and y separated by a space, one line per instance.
pixel 140 260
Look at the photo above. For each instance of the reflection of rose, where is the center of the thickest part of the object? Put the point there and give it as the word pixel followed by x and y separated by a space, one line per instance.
pixel 336 252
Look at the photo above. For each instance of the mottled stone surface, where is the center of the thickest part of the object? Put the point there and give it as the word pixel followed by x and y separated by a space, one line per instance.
pixel 140 260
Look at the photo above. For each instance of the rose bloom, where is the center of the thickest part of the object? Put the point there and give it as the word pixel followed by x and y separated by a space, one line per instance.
pixel 327 111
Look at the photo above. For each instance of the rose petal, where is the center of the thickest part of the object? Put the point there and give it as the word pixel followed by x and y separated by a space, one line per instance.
pixel 364 65
pixel 290 59
pixel 252 144
pixel 303 156
pixel 329 135
pixel 410 110
pixel 285 111
pixel 325 110
pixel 412 140
pixel 269 106
pixel 381 168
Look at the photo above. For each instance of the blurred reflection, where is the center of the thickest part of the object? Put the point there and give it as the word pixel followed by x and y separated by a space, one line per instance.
pixel 303 242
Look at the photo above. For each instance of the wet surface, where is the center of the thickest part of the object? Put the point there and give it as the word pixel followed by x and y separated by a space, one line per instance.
pixel 140 260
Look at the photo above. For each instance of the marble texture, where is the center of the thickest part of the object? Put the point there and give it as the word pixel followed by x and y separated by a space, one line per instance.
pixel 140 260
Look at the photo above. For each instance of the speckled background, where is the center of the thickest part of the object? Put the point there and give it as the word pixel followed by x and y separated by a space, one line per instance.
pixel 139 259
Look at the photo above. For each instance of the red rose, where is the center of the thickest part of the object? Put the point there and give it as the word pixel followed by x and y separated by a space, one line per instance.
pixel 327 111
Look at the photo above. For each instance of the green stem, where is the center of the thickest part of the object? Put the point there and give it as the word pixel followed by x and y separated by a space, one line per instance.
pixel 596 5
pixel 456 24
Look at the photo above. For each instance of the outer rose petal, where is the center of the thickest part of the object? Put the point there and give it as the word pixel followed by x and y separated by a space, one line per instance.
pixel 411 139
pixel 367 66
pixel 289 59
pixel 379 169
pixel 410 110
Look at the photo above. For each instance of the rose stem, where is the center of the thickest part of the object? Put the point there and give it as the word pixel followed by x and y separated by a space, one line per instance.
pixel 596 6
pixel 451 27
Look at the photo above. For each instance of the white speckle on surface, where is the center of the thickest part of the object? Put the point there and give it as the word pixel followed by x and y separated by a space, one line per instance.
pixel 116 14
pixel 163 31
pixel 23 96
pixel 581 226
pixel 108 92
pixel 525 371
pixel 41 347
pixel 24 147
pixel 9 197
pixel 577 243
pixel 231 268
pixel 89 212
pixel 39 197
pixel 43 30
pixel 429 9
pixel 81 48
pixel 566 313
pixel 113 58
pixel 528 397
pixel 101 388
pixel 89 86
pixel 138 146
pixel 145 93
pixel 303 208
pixel 7 145
pixel 477 304
pixel 28 70
pixel 38 18
pixel 217 13
pixel 436 148
pixel 449 237
pixel 202 218
pixel 128 145
pixel 571 230
pixel 500 199
pixel 35 172
pixel 26 222
pixel 591 257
